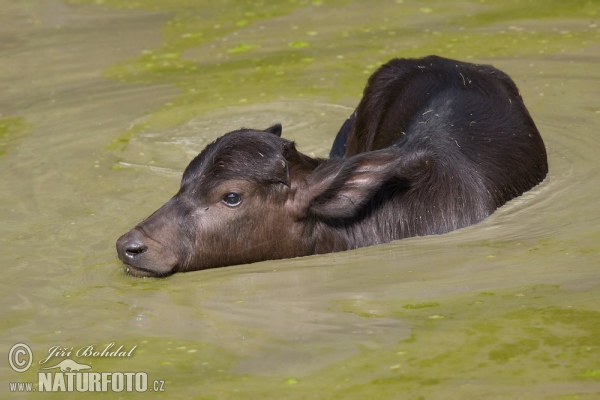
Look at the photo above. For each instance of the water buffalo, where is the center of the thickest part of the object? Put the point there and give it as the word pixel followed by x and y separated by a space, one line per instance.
pixel 434 145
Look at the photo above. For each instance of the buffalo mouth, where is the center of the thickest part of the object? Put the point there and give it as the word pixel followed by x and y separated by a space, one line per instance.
pixel 141 272
pixel 142 256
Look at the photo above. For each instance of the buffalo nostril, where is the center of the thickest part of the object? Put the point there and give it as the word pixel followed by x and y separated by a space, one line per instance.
pixel 135 249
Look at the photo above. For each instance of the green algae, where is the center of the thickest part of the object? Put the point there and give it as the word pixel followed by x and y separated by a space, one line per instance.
pixel 493 343
pixel 520 339
pixel 512 343
pixel 171 359
pixel 242 47
pixel 512 10
pixel 421 305
pixel 510 351
pixel 219 55
pixel 593 374
pixel 505 43
pixel 12 130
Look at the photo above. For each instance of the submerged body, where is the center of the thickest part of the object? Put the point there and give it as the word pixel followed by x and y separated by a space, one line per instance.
pixel 433 146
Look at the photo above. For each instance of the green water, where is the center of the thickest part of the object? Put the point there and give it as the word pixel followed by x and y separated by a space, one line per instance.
pixel 103 104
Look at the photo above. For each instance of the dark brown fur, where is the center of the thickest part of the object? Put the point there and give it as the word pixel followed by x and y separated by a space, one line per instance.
pixel 434 145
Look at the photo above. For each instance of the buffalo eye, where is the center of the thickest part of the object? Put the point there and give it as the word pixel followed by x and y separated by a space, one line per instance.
pixel 232 199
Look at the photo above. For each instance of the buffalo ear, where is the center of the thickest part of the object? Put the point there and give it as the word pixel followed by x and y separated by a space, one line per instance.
pixel 275 130
pixel 341 189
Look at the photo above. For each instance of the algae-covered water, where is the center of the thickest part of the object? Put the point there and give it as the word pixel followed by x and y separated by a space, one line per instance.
pixel 102 105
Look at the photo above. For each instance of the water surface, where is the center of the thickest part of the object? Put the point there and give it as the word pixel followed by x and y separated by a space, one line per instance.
pixel 103 104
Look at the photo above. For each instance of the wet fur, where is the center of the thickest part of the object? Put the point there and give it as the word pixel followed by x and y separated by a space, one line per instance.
pixel 433 146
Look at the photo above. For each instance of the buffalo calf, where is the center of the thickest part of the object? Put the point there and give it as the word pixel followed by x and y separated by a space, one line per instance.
pixel 434 145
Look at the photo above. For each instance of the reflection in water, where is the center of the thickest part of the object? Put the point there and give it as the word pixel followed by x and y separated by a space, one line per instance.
pixel 507 307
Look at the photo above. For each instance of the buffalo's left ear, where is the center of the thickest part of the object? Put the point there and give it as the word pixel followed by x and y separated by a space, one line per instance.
pixel 275 130
pixel 341 189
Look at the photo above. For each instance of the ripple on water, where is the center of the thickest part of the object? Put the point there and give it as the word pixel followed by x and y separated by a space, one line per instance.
pixel 312 125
